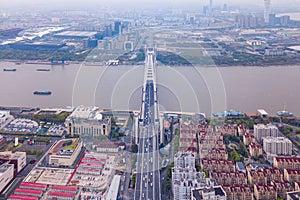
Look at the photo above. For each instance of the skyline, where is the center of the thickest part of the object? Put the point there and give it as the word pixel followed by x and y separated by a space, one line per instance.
pixel 68 4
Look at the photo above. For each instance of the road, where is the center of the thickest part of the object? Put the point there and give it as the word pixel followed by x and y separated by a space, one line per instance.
pixel 147 185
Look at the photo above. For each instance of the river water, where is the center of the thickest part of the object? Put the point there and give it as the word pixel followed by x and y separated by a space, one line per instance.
pixel 188 89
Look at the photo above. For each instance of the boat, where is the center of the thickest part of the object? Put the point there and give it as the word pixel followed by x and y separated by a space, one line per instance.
pixel 42 92
pixel 43 70
pixel 285 113
pixel 9 70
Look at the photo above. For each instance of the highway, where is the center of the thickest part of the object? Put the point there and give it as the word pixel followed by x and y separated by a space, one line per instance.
pixel 147 185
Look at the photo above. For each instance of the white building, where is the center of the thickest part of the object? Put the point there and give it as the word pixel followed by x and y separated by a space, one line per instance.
pixel 185 177
pixel 63 154
pixel 277 146
pixel 209 193
pixel 6 174
pixel 87 121
pixel 261 131
pixel 19 158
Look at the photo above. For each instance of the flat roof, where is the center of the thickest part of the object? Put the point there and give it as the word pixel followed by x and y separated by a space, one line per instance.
pixel 61 187
pixel 28 191
pixel 21 197
pixel 76 34
pixel 60 194
pixel 114 188
pixel 33 185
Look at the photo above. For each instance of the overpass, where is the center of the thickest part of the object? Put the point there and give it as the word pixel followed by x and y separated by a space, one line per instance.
pixel 147 185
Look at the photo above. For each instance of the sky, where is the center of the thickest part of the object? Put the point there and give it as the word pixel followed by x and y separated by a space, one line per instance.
pixel 9 4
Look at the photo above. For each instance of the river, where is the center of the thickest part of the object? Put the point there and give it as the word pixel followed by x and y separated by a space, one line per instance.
pixel 188 89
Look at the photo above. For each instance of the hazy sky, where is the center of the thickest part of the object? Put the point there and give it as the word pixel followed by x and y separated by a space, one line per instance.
pixel 8 4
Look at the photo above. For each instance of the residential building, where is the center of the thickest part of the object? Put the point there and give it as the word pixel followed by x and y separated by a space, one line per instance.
pixel 265 192
pixel 228 178
pixel 217 164
pixel 292 175
pixel 277 146
pixel 185 177
pixel 286 162
pixel 255 150
pixel 264 175
pixel 241 192
pixel 261 131
pixel 248 139
pixel 282 187
pixel 187 140
pixel 214 153
pixel 242 130
pixel 227 129
pixel 209 193
pixel 297 186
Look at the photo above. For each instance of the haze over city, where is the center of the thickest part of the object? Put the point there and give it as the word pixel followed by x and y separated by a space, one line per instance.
pixel 149 100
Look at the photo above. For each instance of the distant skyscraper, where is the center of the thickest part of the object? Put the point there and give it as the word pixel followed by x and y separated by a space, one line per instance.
pixel 267 10
pixel 210 7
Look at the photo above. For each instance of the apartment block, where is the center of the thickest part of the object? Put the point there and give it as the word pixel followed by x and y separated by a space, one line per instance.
pixel 277 146
pixel 261 131
pixel 185 177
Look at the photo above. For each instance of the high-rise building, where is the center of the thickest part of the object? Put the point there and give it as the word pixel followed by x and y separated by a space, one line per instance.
pixel 267 10
pixel 210 7
pixel 261 131
pixel 277 145
pixel 185 177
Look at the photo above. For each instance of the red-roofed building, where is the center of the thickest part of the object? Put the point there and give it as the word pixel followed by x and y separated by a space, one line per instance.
pixel 217 164
pixel 287 162
pixel 21 197
pixel 241 192
pixel 248 138
pixel 229 178
pixel 255 150
pixel 292 175
pixel 265 192
pixel 28 192
pixel 297 186
pixel 282 187
pixel 32 185
pixel 60 188
pixel 60 195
